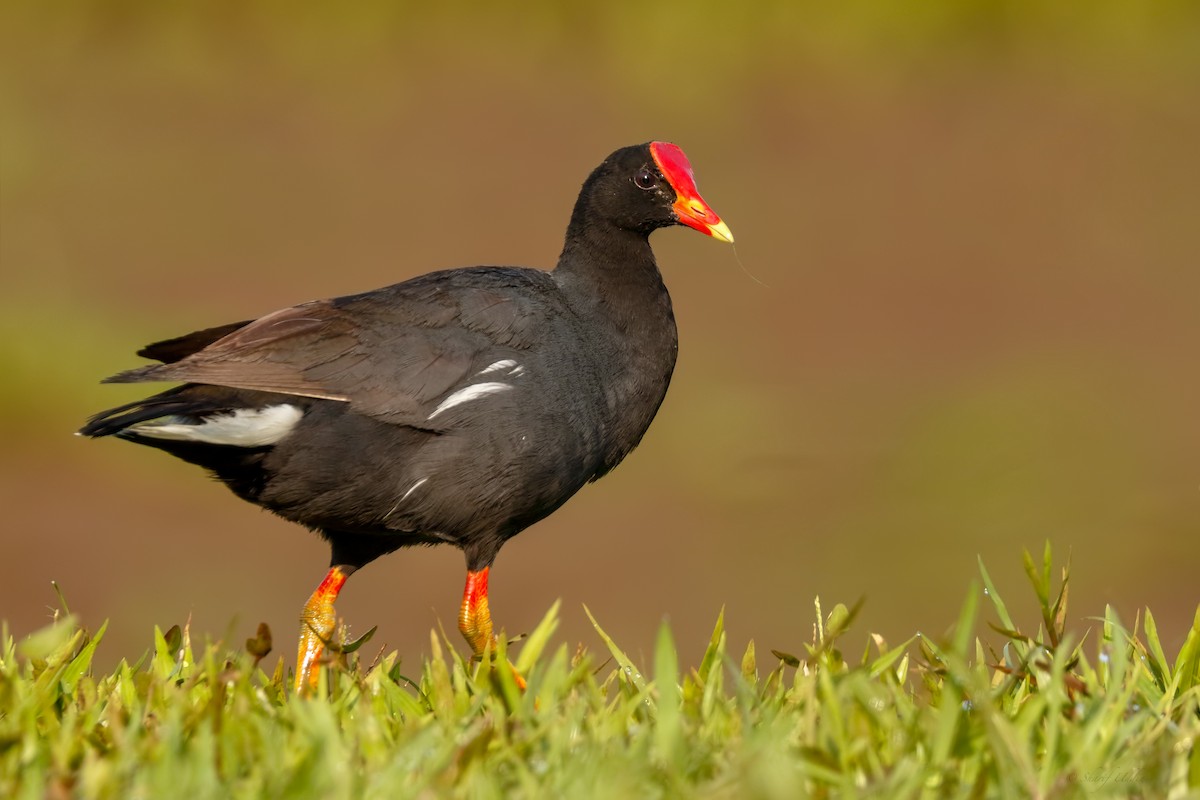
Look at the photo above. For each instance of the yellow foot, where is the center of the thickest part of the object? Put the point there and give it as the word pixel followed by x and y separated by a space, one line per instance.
pixel 475 619
pixel 316 629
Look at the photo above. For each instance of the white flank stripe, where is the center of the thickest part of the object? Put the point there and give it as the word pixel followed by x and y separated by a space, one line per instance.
pixel 467 394
pixel 412 489
pixel 499 366
pixel 404 496
pixel 245 427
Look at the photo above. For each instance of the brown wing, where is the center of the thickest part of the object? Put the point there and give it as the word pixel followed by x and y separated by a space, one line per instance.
pixel 270 354
pixel 170 350
pixel 389 353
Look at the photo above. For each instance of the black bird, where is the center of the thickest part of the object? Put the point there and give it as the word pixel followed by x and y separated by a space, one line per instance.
pixel 459 407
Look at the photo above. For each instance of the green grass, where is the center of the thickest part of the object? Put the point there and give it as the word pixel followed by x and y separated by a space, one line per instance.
pixel 1050 713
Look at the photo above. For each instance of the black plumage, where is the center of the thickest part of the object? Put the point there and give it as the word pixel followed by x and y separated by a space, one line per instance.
pixel 461 406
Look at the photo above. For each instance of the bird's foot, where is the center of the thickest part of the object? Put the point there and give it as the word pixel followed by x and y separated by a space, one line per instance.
pixel 317 622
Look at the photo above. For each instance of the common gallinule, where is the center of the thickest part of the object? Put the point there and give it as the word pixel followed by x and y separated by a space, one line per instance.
pixel 459 407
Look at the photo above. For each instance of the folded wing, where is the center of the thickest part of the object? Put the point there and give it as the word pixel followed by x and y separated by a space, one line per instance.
pixel 358 350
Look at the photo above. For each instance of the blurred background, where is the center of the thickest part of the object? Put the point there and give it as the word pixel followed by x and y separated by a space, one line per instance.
pixel 974 227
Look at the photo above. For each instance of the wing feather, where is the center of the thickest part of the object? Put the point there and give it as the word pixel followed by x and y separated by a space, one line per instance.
pixel 391 353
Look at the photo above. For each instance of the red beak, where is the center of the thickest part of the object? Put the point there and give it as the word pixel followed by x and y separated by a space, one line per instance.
pixel 689 206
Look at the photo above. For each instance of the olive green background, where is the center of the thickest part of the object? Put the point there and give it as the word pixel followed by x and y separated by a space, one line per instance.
pixel 973 230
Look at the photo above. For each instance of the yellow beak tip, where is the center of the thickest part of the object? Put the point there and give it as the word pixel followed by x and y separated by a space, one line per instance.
pixel 721 231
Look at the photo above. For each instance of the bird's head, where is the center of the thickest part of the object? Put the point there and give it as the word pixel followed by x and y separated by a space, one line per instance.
pixel 651 186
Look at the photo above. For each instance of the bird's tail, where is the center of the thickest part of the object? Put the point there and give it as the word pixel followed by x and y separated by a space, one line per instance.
pixel 170 403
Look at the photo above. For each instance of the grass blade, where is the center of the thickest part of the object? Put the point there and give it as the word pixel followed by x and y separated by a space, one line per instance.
pixel 627 668
pixel 535 644
pixel 667 734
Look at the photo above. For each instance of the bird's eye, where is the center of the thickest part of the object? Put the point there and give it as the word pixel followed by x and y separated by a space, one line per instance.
pixel 645 179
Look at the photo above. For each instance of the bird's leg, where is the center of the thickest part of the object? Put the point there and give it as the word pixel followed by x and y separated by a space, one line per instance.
pixel 316 627
pixel 475 619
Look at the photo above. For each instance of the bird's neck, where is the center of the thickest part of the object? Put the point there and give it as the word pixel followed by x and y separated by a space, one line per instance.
pixel 610 279
pixel 603 263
